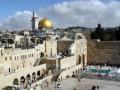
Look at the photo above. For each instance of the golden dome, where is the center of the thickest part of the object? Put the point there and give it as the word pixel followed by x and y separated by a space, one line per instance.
pixel 45 23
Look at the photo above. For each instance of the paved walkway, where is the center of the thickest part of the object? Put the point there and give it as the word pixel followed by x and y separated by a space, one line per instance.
pixel 85 84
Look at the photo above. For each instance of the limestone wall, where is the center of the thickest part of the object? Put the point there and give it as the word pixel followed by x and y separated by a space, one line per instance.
pixel 102 52
pixel 69 72
pixel 13 59
pixel 67 62
pixel 8 79
pixel 51 48
pixel 63 45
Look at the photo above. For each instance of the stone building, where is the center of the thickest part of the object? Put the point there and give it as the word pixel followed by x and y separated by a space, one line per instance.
pixel 24 67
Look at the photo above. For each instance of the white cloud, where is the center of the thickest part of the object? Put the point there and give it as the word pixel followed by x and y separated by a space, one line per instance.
pixel 84 13
pixel 0 24
pixel 76 12
pixel 20 20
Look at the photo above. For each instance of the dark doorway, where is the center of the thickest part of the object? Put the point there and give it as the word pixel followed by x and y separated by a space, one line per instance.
pixel 79 60
pixel 83 60
pixel 33 76
pixel 15 82
pixel 22 79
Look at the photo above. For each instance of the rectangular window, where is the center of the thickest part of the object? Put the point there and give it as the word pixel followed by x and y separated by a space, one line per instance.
pixel 15 58
pixel 10 58
pixel 5 58
pixel 17 67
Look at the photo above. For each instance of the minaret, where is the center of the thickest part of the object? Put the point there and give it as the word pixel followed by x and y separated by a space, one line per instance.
pixel 33 21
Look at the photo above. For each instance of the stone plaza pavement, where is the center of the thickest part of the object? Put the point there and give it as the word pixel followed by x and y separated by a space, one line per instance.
pixel 84 84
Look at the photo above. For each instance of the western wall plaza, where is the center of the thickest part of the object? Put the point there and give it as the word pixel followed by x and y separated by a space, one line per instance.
pixel 60 45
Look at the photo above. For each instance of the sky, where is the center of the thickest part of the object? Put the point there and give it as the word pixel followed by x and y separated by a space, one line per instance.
pixel 16 14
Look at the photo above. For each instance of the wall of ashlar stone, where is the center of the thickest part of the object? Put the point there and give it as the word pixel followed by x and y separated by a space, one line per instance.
pixel 63 45
pixel 104 52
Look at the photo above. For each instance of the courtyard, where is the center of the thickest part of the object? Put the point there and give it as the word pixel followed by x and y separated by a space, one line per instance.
pixel 83 84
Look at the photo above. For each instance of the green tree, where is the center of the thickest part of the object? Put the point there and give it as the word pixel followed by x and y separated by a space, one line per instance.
pixel 117 33
pixel 98 33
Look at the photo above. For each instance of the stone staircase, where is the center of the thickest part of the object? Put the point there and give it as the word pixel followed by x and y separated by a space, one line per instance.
pixel 37 62
pixel 78 77
pixel 56 74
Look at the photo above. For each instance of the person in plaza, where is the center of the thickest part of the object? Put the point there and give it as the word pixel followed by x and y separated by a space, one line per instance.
pixel 93 88
pixel 97 87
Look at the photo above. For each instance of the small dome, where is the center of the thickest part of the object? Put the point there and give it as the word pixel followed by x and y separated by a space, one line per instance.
pixel 45 23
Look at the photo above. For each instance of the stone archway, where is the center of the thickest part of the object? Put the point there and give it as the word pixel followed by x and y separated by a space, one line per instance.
pixel 38 75
pixel 15 82
pixel 22 79
pixel 33 76
pixel 28 77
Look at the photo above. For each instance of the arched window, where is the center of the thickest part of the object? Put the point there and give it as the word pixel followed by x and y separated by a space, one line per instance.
pixel 28 77
pixel 38 73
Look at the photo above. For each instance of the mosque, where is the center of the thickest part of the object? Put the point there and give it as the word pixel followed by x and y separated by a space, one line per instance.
pixel 25 64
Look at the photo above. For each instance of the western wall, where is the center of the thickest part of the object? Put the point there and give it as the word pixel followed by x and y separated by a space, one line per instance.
pixel 103 52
